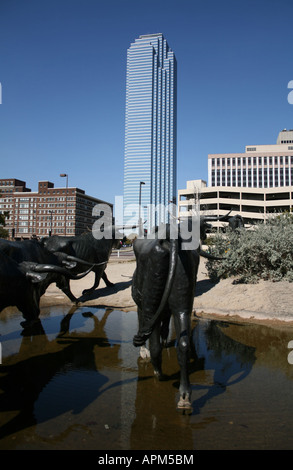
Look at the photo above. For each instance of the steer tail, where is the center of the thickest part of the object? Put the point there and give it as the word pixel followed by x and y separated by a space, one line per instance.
pixel 204 254
pixel 146 331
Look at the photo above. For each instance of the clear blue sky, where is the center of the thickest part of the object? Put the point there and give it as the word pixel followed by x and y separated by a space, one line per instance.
pixel 63 74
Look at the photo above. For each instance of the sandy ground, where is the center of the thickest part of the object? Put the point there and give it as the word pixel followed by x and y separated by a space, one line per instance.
pixel 265 301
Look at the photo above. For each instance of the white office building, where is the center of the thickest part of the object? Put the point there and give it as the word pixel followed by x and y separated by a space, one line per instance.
pixel 261 166
pixel 256 184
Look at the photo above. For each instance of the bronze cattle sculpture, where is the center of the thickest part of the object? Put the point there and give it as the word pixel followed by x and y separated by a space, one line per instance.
pixel 163 285
pixel 89 250
pixel 26 270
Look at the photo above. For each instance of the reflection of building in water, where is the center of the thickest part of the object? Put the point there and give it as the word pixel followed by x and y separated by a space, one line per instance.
pixel 157 423
pixel 128 376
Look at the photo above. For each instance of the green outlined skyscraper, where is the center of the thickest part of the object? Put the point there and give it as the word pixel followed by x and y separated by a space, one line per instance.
pixel 150 126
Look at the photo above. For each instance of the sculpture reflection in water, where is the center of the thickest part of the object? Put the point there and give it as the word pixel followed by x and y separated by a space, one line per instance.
pixel 229 360
pixel 213 354
pixel 39 360
pixel 85 349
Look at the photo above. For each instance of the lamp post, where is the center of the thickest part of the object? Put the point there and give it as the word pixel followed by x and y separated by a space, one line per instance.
pixel 51 223
pixel 65 175
pixel 139 206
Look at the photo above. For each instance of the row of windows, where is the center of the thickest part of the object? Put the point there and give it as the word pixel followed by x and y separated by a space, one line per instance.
pixel 6 183
pixel 252 161
pixel 253 177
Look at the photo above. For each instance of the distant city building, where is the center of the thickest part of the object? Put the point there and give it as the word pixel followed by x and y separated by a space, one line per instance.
pixel 256 184
pixel 150 126
pixel 55 211
pixel 253 204
pixel 261 166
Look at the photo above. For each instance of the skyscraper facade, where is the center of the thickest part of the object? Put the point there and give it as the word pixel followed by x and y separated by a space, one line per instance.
pixel 150 129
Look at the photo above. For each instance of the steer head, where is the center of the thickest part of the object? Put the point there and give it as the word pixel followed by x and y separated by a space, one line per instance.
pixel 38 272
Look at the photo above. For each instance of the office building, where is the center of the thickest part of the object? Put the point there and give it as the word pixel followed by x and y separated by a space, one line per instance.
pixel 150 127
pixel 256 184
pixel 49 211
pixel 261 166
pixel 253 204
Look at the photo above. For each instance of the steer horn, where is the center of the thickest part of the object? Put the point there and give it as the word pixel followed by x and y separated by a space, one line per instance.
pixel 128 227
pixel 81 261
pixel 208 218
pixel 46 268
pixel 211 218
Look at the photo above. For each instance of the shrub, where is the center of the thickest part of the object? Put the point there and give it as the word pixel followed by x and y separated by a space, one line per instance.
pixel 263 252
pixel 3 233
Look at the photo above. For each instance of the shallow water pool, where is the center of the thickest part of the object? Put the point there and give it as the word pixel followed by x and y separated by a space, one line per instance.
pixel 76 381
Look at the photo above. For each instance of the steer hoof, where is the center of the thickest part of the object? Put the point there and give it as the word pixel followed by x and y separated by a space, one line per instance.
pixel 87 291
pixel 184 403
pixel 30 323
pixel 139 340
pixel 144 352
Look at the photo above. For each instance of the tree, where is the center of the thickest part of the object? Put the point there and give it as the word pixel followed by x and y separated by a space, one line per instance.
pixel 3 232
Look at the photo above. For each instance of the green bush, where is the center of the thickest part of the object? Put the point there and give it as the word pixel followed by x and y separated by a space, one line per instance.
pixel 3 233
pixel 262 252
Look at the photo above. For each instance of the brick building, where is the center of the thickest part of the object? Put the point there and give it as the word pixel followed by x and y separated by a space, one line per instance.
pixel 56 211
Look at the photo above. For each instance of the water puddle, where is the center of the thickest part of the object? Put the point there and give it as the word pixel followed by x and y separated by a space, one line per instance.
pixel 75 381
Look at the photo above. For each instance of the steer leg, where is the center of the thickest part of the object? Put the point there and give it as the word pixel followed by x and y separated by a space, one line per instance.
pixel 182 326
pixel 98 274
pixel 106 280
pixel 63 284
pixel 30 308
pixel 156 351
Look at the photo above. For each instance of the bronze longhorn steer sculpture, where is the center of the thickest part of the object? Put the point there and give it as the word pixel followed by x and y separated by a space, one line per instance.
pixel 234 222
pixel 163 285
pixel 89 250
pixel 26 270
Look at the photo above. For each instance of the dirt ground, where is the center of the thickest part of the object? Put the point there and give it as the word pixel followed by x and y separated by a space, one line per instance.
pixel 265 301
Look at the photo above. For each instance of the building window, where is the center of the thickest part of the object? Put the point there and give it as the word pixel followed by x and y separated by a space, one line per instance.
pixel 287 176
pixel 276 177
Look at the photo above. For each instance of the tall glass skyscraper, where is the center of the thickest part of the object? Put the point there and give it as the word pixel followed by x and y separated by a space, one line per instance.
pixel 150 128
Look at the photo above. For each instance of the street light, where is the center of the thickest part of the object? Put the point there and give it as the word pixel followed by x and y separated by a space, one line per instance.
pixel 65 175
pixel 51 223
pixel 139 205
